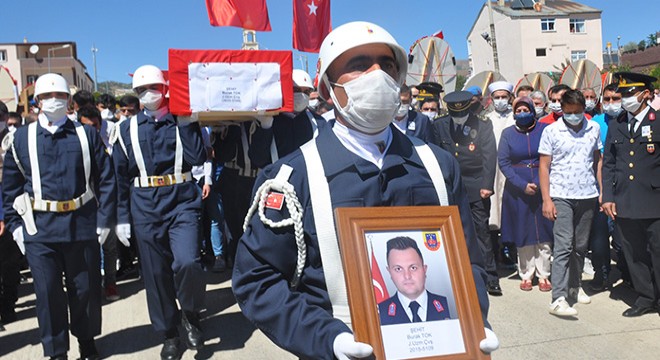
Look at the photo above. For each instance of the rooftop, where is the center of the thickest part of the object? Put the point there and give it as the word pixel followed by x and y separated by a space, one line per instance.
pixel 521 8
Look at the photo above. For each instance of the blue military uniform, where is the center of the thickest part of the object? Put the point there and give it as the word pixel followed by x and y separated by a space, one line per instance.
pixel 473 145
pixel 419 126
pixel 66 239
pixel 631 179
pixel 289 132
pixel 392 312
pixel 165 213
pixel 301 320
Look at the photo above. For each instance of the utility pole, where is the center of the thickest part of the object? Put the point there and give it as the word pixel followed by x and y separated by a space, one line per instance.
pixel 94 51
pixel 303 60
pixel 493 40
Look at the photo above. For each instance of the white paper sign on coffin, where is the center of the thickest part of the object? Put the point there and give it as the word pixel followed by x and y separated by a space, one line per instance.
pixel 234 86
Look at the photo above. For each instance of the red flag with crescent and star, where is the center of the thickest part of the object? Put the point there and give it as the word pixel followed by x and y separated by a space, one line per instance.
pixel 311 24
pixel 246 14
pixel 380 290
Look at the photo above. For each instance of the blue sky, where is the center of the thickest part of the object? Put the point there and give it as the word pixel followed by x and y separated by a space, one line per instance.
pixel 130 33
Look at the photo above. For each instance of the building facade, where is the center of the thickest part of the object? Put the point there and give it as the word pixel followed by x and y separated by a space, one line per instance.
pixel 27 61
pixel 534 36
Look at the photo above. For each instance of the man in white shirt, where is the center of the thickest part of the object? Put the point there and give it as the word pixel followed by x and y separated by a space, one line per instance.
pixel 569 173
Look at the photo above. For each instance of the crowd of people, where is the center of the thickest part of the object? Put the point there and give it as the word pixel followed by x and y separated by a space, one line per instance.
pixel 555 178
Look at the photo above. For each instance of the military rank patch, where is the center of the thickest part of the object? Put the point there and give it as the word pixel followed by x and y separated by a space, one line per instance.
pixel 431 241
pixel 391 310
pixel 651 116
pixel 438 306
pixel 275 200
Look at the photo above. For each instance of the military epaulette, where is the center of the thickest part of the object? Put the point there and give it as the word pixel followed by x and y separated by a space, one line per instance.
pixel 482 117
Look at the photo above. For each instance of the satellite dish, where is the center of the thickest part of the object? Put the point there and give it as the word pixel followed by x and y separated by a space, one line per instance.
pixel 432 61
pixel 482 80
pixel 538 80
pixel 34 49
pixel 582 74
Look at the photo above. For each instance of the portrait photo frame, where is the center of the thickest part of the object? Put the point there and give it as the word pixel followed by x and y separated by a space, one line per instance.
pixel 361 233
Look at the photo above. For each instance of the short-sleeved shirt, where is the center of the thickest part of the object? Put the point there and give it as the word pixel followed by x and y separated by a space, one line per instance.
pixel 571 169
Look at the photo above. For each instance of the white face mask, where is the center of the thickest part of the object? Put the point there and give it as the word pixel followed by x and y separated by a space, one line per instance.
pixel 54 108
pixel 631 104
pixel 72 117
pixel 573 119
pixel 151 99
pixel 11 128
pixel 313 103
pixel 413 102
pixel 555 107
pixel 590 105
pixel 300 101
pixel 373 98
pixel 402 111
pixel 107 114
pixel 460 120
pixel 612 109
pixel 539 110
pixel 430 114
pixel 501 105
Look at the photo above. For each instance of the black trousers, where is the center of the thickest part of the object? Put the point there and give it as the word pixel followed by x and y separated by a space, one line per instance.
pixel 236 192
pixel 171 268
pixel 480 214
pixel 640 240
pixel 10 273
pixel 80 263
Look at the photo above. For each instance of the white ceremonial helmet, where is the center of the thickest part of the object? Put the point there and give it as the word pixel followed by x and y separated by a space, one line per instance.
pixel 302 79
pixel 147 75
pixel 354 34
pixel 48 83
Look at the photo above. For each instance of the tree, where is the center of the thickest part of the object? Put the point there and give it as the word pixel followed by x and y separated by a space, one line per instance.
pixel 460 81
pixel 629 46
pixel 655 72
pixel 641 46
pixel 652 40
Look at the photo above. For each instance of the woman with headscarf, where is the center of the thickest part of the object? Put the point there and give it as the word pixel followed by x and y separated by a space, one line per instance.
pixel 522 215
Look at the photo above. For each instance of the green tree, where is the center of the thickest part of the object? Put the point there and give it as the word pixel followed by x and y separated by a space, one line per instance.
pixel 460 82
pixel 655 72
pixel 629 46
pixel 652 40
pixel 641 46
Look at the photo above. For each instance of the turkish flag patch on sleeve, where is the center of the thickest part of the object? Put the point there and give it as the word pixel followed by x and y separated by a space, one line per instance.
pixel 275 200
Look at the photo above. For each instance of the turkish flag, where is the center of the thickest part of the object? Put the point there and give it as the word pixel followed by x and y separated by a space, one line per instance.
pixel 246 14
pixel 311 24
pixel 380 290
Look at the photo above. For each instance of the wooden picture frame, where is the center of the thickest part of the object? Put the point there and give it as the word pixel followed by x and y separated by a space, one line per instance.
pixel 355 225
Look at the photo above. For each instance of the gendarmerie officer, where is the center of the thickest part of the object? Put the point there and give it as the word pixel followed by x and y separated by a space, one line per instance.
pixel 408 120
pixel 59 199
pixel 278 136
pixel 471 140
pixel 359 160
pixel 631 187
pixel 153 156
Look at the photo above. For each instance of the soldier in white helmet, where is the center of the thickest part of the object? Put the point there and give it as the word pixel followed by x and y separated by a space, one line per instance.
pixel 358 160
pixel 153 156
pixel 59 201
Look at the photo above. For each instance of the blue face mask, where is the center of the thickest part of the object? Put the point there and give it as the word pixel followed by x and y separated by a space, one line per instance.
pixel 573 119
pixel 524 120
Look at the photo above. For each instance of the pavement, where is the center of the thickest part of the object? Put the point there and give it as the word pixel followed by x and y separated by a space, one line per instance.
pixel 520 319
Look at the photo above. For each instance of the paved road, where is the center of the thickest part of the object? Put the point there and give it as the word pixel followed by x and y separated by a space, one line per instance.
pixel 520 319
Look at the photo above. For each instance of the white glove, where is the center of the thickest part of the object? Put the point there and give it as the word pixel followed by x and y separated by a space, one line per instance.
pixel 18 237
pixel 490 343
pixel 345 347
pixel 266 122
pixel 103 234
pixel 183 120
pixel 123 233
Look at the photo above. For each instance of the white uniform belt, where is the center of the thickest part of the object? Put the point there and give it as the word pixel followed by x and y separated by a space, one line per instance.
pixel 62 206
pixel 161 180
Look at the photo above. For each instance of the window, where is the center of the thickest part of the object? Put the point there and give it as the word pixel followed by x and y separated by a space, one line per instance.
pixel 540 52
pixel 547 24
pixel 3 55
pixel 578 55
pixel 577 26
pixel 31 79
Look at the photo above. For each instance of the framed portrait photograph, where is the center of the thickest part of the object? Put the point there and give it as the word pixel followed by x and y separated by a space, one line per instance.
pixel 409 281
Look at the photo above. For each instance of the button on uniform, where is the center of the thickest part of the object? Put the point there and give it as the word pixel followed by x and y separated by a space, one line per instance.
pixel 631 165
pixel 631 177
